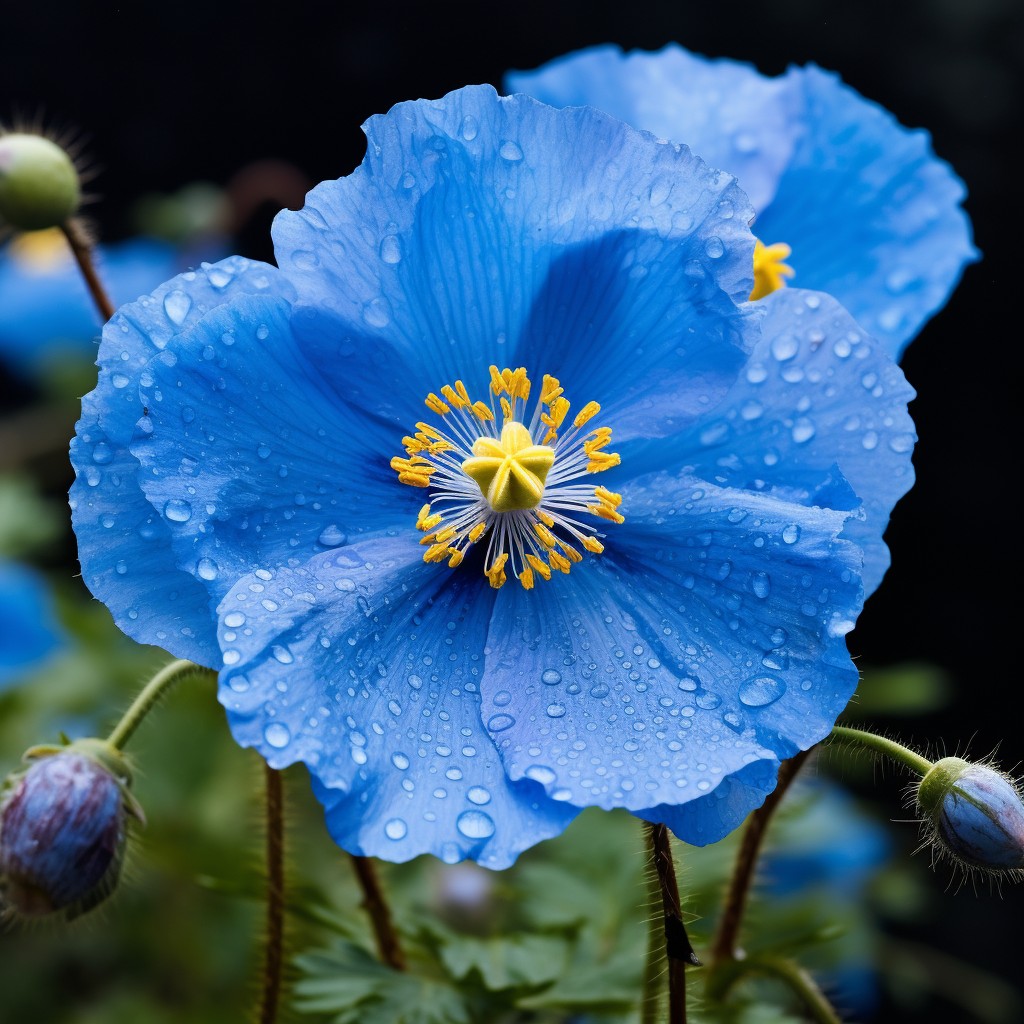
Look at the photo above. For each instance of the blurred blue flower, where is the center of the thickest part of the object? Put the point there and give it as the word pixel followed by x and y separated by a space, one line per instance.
pixel 29 632
pixel 45 309
pixel 234 501
pixel 870 214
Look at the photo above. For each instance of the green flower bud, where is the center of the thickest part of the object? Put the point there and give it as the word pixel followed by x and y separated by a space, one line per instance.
pixel 39 185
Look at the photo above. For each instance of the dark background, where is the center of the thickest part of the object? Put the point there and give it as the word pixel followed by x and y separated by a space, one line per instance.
pixel 163 95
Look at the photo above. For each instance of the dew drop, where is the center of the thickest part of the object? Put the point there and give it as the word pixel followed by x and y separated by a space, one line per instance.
pixel 761 584
pixel 760 691
pixel 396 829
pixel 282 654
pixel 391 249
pixel 277 735
pixel 470 127
pixel 178 511
pixel 498 723
pixel 207 569
pixel 791 533
pixel 478 795
pixel 263 451
pixel 177 305
pixel 511 152
pixel 550 677
pixel 540 773
pixel 399 760
pixel 475 825
pixel 555 710
pixel 714 247
pixel 331 537
pixel 234 620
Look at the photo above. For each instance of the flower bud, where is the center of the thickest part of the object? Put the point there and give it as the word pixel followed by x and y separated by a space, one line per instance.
pixel 63 825
pixel 975 813
pixel 39 185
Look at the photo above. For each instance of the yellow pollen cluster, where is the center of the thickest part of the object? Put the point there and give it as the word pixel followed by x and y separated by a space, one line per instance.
pixel 770 271
pixel 513 482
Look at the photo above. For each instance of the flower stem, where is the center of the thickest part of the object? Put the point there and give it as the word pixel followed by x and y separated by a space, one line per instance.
pixel 678 950
pixel 147 699
pixel 725 944
pixel 881 745
pixel 81 249
pixel 650 1002
pixel 273 961
pixel 388 946
pixel 820 1009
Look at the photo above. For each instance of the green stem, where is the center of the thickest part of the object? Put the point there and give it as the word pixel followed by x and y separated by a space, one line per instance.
pixel 81 249
pixel 880 745
pixel 388 946
pixel 821 1010
pixel 273 962
pixel 725 945
pixel 147 699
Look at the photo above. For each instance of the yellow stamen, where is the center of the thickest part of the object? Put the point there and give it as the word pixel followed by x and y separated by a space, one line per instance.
pixel 454 398
pixel 546 519
pixel 558 562
pixel 436 553
pixel 613 499
pixel 496 573
pixel 434 404
pixel 541 568
pixel 586 414
pixel 606 512
pixel 477 532
pixel 550 389
pixel 770 271
pixel 497 381
pixel 572 554
pixel 593 544
pixel 545 535
pixel 483 411
pixel 526 578
pixel 456 559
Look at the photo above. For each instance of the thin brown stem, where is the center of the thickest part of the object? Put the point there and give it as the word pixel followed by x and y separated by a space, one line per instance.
pixel 273 963
pixel 388 946
pixel 678 951
pixel 81 249
pixel 724 946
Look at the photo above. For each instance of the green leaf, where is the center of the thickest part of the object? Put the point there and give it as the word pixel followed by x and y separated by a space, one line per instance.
pixel 357 989
pixel 602 988
pixel 513 961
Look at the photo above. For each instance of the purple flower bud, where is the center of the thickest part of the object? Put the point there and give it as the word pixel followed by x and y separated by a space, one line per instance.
pixel 976 813
pixel 62 831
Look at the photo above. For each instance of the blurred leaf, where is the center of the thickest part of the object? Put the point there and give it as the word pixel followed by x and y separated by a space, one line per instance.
pixel 514 961
pixel 600 988
pixel 913 688
pixel 27 522
pixel 350 984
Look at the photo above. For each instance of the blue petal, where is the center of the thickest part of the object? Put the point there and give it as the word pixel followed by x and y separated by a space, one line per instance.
pixel 707 638
pixel 251 457
pixel 725 111
pixel 365 665
pixel 872 215
pixel 123 543
pixel 484 230
pixel 29 631
pixel 816 392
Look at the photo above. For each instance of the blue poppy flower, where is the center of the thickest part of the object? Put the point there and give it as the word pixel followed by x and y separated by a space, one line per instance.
pixel 29 632
pixel 45 309
pixel 854 203
pixel 356 484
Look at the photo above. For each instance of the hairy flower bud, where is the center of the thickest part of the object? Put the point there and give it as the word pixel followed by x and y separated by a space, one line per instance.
pixel 63 825
pixel 39 185
pixel 975 814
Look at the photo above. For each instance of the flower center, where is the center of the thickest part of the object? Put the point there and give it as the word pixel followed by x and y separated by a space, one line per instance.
pixel 513 484
pixel 770 271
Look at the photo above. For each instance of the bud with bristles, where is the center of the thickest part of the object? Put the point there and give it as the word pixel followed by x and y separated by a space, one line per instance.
pixel 39 186
pixel 63 829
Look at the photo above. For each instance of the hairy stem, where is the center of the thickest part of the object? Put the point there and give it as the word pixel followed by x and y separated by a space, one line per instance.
pixel 678 951
pixel 881 745
pixel 815 1001
pixel 81 249
pixel 650 1002
pixel 724 946
pixel 150 695
pixel 388 946
pixel 273 957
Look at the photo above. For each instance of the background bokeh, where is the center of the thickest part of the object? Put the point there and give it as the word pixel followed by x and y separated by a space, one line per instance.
pixel 261 103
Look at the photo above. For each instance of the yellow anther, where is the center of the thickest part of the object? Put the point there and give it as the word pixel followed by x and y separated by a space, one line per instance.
pixel 593 544
pixel 606 512
pixel 600 461
pixel 462 392
pixel 496 573
pixel 558 562
pixel 445 535
pixel 454 398
pixel 436 553
pixel 526 578
pixel 601 437
pixel 586 414
pixel 545 535
pixel 429 538
pixel 550 388
pixel 546 519
pixel 432 433
pixel 456 559
pixel 426 521
pixel 519 386
pixel 483 411
pixel 497 381
pixel 571 553
pixel 434 404
pixel 511 472
pixel 603 494
pixel 477 532
pixel 413 445
pixel 770 271
pixel 414 479
pixel 506 408
pixel 542 569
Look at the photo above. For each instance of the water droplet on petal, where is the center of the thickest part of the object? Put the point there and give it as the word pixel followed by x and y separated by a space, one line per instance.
pixel 177 305
pixel 277 735
pixel 511 152
pixel 478 795
pixel 178 511
pixel 475 825
pixel 550 677
pixel 331 537
pixel 760 691
pixel 396 829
